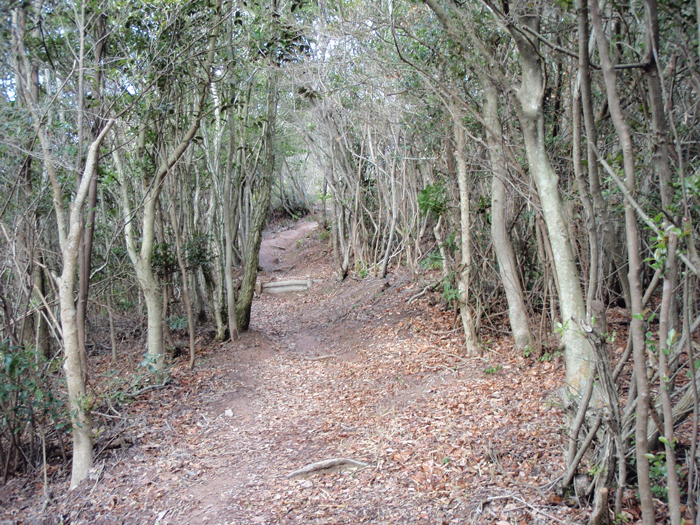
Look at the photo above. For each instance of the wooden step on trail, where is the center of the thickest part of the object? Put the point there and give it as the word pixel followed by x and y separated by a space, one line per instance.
pixel 276 287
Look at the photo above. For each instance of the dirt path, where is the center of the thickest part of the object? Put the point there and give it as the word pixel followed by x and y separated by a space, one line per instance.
pixel 345 370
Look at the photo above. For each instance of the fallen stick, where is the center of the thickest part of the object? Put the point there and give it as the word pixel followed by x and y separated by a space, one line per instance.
pixel 326 466
pixel 136 394
pixel 321 357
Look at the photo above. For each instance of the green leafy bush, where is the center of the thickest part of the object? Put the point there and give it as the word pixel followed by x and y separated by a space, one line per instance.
pixel 433 199
pixel 29 407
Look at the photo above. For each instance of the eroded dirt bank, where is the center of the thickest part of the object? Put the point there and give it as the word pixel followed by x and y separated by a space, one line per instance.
pixel 346 370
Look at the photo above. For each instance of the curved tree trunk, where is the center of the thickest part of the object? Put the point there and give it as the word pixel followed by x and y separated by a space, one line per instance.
pixel 69 240
pixel 517 311
pixel 579 354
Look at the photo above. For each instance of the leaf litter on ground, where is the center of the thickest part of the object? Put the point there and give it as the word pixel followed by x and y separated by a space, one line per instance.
pixel 444 441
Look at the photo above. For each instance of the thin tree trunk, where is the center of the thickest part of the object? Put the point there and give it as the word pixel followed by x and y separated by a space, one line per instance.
pixel 85 262
pixel 665 324
pixel 183 272
pixel 471 344
pixel 659 134
pixel 584 196
pixel 508 268
pixel 392 227
pixel 612 241
pixel 230 217
pixel 637 323
pixel 262 204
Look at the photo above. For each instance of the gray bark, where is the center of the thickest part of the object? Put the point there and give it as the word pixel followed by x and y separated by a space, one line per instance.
pixel 579 354
pixel 262 204
pixel 471 345
pixel 517 311
pixel 637 323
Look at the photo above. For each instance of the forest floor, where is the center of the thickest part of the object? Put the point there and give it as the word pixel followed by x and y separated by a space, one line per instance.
pixel 346 370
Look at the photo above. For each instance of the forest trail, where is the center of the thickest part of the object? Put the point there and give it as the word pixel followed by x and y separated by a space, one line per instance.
pixel 346 370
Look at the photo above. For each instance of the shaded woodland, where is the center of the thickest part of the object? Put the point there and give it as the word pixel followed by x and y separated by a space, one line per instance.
pixel 530 162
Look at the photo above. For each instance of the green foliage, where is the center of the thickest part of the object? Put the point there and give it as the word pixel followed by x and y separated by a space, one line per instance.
pixel 450 292
pixel 451 242
pixel 561 328
pixel 361 269
pixel 28 404
pixel 177 323
pixel 149 362
pixel 432 261
pixel 658 471
pixel 433 199
pixel 196 251
pixel 493 370
pixel 548 356
pixel 164 259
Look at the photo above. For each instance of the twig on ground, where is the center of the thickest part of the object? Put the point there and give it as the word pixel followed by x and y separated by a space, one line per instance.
pixel 136 394
pixel 422 293
pixel 549 516
pixel 105 415
pixel 320 358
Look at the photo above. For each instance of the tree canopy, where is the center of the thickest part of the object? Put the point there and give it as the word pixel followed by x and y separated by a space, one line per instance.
pixel 534 158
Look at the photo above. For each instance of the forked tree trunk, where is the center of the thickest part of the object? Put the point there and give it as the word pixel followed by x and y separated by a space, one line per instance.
pixel 69 240
pixel 70 226
pixel 141 259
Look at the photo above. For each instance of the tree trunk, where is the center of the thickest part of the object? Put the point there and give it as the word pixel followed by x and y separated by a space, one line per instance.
pixel 637 323
pixel 78 400
pixel 154 309
pixel 85 260
pixel 392 227
pixel 85 263
pixel 230 212
pixel 659 134
pixel 183 272
pixel 264 186
pixel 508 268
pixel 612 240
pixel 471 345
pixel 579 354
pixel 69 233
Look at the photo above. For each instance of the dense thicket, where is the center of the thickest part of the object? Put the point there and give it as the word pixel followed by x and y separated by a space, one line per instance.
pixel 543 157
